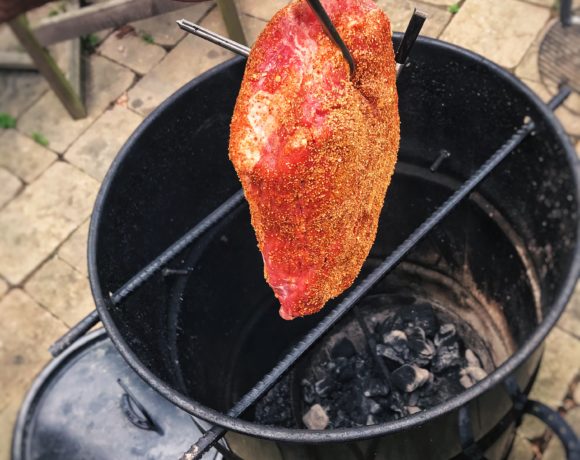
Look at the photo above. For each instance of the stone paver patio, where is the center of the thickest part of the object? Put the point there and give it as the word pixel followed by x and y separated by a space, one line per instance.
pixel 47 191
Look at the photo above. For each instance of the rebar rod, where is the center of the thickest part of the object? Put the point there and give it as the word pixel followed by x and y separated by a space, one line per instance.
pixel 140 278
pixel 75 333
pixel 355 294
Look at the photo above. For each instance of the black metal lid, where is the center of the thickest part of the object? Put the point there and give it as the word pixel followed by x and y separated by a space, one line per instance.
pixel 88 404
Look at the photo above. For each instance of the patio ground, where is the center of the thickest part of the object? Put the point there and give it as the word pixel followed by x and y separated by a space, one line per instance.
pixel 51 168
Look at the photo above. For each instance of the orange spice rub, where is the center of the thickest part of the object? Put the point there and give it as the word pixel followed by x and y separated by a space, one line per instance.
pixel 315 149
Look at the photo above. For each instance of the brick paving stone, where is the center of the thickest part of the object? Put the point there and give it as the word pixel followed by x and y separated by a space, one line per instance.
pixel 22 156
pixel 570 320
pixel 252 27
pixel 74 250
pixel 531 428
pixel 61 290
pixel 187 60
pixel 19 90
pixel 261 9
pixel 3 287
pixel 163 29
pixel 40 218
pixel 528 68
pixel 400 12
pixel 559 366
pixel 190 58
pixel 521 449
pixel 8 417
pixel 132 51
pixel 8 41
pixel 496 29
pixel 569 120
pixel 97 147
pixel 9 186
pixel 555 449
pixel 105 81
pixel 546 3
pixel 27 332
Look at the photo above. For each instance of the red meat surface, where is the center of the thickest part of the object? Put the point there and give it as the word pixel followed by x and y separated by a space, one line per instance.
pixel 315 148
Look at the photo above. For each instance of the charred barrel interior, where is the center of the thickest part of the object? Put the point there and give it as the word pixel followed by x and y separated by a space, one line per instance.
pixel 465 301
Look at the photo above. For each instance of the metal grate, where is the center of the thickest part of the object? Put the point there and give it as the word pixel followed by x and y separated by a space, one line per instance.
pixel 559 57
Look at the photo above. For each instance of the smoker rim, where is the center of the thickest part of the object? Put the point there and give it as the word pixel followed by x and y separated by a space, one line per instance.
pixel 346 434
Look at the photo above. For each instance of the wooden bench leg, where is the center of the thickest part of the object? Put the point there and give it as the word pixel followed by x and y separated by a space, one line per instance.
pixel 232 20
pixel 46 65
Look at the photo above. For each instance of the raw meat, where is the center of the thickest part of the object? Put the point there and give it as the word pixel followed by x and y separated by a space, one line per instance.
pixel 315 149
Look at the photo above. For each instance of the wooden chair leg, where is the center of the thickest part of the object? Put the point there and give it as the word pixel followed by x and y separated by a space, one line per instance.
pixel 46 65
pixel 232 20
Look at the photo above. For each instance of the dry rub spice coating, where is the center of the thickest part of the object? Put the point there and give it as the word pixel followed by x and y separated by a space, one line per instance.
pixel 315 149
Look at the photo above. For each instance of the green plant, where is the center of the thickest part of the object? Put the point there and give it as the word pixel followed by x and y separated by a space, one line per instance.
pixel 90 43
pixel 147 38
pixel 7 121
pixel 60 8
pixel 453 9
pixel 40 139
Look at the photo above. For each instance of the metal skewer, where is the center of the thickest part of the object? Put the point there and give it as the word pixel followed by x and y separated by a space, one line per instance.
pixel 210 36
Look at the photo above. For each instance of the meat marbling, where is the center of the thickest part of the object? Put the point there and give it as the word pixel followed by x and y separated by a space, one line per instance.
pixel 315 149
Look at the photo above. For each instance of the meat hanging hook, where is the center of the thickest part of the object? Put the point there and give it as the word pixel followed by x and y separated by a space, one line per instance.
pixel 331 31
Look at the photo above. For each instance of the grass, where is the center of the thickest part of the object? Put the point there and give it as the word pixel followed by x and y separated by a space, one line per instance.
pixel 454 9
pixel 147 38
pixel 7 121
pixel 40 139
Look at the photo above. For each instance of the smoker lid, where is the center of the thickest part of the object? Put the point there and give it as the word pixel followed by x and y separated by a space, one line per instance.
pixel 79 407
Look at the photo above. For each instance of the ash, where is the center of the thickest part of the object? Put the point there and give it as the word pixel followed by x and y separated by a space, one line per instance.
pixel 274 407
pixel 424 363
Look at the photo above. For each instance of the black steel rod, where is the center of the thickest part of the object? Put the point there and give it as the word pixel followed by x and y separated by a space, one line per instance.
pixel 187 239
pixel 74 333
pixel 215 433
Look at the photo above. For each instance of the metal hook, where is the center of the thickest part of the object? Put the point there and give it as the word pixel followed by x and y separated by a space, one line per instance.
pixel 331 31
pixel 409 38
